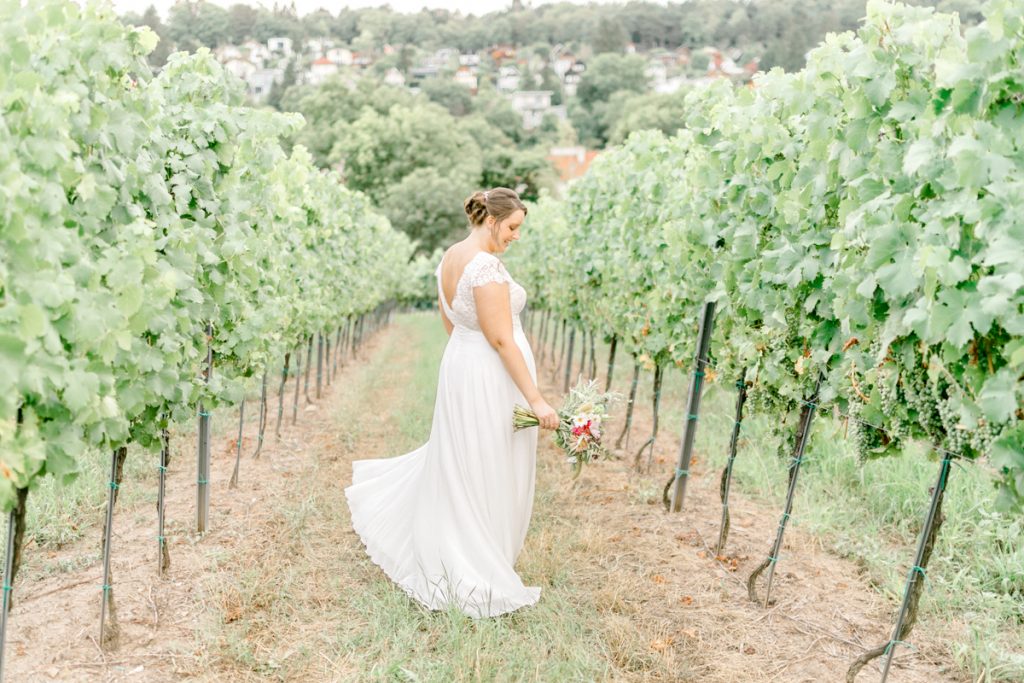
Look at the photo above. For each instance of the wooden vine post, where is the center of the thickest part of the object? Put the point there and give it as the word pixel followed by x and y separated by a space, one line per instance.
pixel 568 359
pixel 12 558
pixel 327 357
pixel 319 363
pixel 611 363
pixel 593 357
pixel 280 394
pixel 628 427
pixel 561 347
pixel 203 450
pixel 163 556
pixel 238 445
pixel 298 382
pixel 907 616
pixel 700 365
pixel 726 481
pixel 648 445
pixel 109 630
pixel 309 364
pixel 262 422
pixel 806 418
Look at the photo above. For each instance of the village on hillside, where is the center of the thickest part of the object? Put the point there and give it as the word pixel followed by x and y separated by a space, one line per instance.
pixel 517 75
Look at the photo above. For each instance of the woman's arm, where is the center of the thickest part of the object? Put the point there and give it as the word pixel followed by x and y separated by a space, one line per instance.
pixel 494 311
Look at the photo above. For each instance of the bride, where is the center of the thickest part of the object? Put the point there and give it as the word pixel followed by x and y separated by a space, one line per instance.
pixel 447 521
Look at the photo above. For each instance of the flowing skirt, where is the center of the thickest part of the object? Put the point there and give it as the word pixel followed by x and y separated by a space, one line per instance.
pixel 447 521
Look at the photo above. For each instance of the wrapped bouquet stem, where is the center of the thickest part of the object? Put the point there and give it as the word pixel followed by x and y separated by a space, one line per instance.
pixel 580 427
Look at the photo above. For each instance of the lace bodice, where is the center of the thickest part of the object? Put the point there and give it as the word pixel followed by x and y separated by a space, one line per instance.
pixel 482 269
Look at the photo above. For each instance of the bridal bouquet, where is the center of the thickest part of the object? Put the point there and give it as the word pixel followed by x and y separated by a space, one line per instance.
pixel 581 420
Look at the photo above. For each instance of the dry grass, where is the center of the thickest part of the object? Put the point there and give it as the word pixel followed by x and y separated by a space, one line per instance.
pixel 280 588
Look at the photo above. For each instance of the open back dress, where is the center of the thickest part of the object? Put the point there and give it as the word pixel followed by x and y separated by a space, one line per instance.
pixel 447 521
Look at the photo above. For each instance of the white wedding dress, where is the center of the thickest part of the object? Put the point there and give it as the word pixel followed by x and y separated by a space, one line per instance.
pixel 447 521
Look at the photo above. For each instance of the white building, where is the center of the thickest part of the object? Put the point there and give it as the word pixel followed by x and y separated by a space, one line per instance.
pixel 465 77
pixel 508 79
pixel 570 83
pixel 261 81
pixel 443 57
pixel 394 77
pixel 657 73
pixel 470 60
pixel 257 53
pixel 280 44
pixel 532 105
pixel 240 68
pixel 563 64
pixel 341 56
pixel 224 53
pixel 318 47
pixel 320 70
pixel 670 85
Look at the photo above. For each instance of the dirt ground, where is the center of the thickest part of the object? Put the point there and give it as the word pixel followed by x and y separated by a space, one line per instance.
pixel 647 571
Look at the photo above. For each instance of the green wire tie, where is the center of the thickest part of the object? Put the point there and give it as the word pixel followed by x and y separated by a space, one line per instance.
pixel 259 437
pixel 202 481
pixel 8 588
pixel 203 413
pixel 772 559
pixel 162 468
pixel 740 384
pixel 114 485
pixel 106 587
pixel 682 473
pixel 893 643
pixel 785 516
pixel 691 417
pixel 161 539
pixel 698 373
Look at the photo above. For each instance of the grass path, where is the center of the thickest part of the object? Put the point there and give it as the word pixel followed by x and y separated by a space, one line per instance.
pixel 280 589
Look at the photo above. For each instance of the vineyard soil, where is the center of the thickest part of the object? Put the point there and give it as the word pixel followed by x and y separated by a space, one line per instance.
pixel 280 588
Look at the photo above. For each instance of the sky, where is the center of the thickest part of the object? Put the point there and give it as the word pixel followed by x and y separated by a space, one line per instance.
pixel 306 6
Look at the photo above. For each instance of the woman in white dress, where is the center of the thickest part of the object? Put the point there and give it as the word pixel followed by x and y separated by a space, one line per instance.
pixel 447 521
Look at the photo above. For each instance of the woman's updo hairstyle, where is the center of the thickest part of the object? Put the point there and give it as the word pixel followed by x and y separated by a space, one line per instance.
pixel 499 202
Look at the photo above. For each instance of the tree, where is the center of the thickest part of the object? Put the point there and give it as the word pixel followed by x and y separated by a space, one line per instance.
pixel 609 73
pixel 449 94
pixel 278 89
pixel 646 112
pixel 242 19
pixel 379 150
pixel 427 205
pixel 610 36
pixel 527 171
pixel 151 18
pixel 196 23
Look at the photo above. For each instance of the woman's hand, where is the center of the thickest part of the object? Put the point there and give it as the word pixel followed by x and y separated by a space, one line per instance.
pixel 545 414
